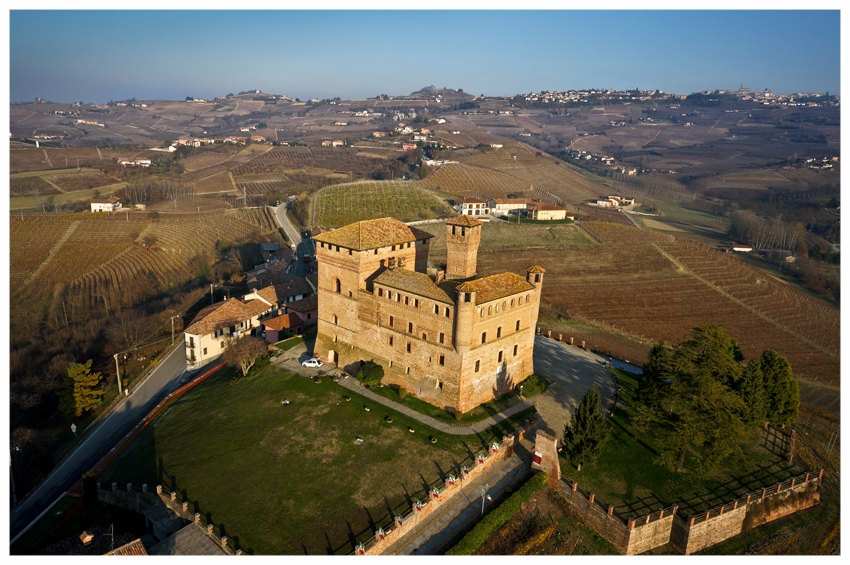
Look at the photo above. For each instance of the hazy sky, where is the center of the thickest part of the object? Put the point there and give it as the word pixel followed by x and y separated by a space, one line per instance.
pixel 95 56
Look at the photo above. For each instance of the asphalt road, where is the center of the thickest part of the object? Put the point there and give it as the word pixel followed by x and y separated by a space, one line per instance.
pixel 168 375
pixel 303 245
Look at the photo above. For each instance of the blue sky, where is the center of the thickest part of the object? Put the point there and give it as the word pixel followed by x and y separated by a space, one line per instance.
pixel 95 56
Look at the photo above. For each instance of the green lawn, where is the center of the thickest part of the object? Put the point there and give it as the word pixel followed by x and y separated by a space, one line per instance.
pixel 289 479
pixel 626 475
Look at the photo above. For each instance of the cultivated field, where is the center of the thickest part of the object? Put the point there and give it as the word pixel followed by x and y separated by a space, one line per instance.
pixel 31 186
pixel 108 259
pixel 338 205
pixel 81 181
pixel 648 286
pixel 215 184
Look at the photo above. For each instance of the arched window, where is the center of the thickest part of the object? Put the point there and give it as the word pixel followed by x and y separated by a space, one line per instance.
pixel 335 319
pixel 337 286
pixel 489 310
pixel 512 302
pixel 527 298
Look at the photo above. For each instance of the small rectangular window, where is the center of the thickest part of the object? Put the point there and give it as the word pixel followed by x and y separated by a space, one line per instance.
pixel 448 311
pixel 381 292
pixel 205 351
pixel 410 327
pixel 436 309
pixel 391 321
pixel 442 337
pixel 499 332
pixel 391 341
pixel 408 370
pixel 222 345
pixel 406 300
pixel 397 297
pixel 500 357
pixel 483 337
pixel 425 337
pixel 477 365
pixel 416 303
pixel 515 349
pixel 517 325
pixel 408 347
pixel 442 360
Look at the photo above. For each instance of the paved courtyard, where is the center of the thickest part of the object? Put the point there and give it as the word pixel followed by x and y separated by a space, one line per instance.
pixel 572 371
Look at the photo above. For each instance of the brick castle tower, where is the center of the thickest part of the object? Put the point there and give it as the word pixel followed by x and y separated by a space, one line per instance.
pixel 463 235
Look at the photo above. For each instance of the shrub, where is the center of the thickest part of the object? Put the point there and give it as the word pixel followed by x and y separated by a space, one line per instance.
pixel 472 541
pixel 533 385
pixel 458 416
pixel 402 392
pixel 370 373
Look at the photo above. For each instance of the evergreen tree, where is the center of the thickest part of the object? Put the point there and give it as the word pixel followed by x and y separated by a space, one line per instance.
pixel 781 390
pixel 653 385
pixel 586 432
pixel 698 419
pixel 83 391
pixel 752 391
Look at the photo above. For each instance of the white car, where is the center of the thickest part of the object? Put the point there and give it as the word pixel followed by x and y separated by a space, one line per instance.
pixel 314 362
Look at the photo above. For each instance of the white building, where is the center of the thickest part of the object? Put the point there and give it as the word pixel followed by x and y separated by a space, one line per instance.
pixel 105 204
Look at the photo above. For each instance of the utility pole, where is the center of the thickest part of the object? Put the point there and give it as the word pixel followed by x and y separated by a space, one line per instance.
pixel 172 328
pixel 211 293
pixel 118 374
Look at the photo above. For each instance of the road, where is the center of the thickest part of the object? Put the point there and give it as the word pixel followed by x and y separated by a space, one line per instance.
pixel 303 245
pixel 168 375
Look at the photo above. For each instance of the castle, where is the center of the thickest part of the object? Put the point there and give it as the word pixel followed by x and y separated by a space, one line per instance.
pixel 455 340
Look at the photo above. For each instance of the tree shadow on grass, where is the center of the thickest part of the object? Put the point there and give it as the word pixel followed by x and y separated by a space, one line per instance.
pixel 633 436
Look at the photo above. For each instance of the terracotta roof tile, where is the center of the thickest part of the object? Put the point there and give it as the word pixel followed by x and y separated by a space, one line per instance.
pixel 495 286
pixel 512 200
pixel 371 234
pixel 284 322
pixel 304 305
pixel 225 314
pixel 464 221
pixel 414 283
pixel 536 269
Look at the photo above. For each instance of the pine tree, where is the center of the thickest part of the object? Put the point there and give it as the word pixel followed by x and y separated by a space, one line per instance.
pixel 586 432
pixel 752 391
pixel 652 386
pixel 781 390
pixel 84 392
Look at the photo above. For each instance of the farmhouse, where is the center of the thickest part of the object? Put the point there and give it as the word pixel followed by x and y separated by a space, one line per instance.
pixel 471 207
pixel 455 340
pixel 134 162
pixel 105 204
pixel 408 146
pixel 206 336
pixel 546 211
pixel 504 206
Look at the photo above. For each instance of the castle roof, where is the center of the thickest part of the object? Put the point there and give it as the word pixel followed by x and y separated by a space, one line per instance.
pixel 464 221
pixel 536 269
pixel 495 286
pixel 414 283
pixel 371 234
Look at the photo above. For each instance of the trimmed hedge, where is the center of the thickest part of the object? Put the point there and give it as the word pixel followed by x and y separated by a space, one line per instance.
pixel 498 517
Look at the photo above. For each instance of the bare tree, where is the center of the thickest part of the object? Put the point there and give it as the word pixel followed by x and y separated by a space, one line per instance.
pixel 244 352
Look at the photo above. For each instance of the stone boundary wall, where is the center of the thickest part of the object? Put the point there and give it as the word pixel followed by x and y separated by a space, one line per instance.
pixel 629 536
pixel 402 525
pixel 751 511
pixel 693 533
pixel 139 500
pixel 603 349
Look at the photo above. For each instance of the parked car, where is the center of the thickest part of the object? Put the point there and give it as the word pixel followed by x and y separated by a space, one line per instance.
pixel 314 362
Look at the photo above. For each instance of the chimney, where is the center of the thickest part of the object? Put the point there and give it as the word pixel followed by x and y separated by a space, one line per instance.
pixel 440 276
pixel 401 262
pixel 391 263
pixel 86 537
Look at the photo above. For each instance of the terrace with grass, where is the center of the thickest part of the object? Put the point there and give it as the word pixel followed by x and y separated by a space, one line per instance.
pixel 626 475
pixel 292 478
